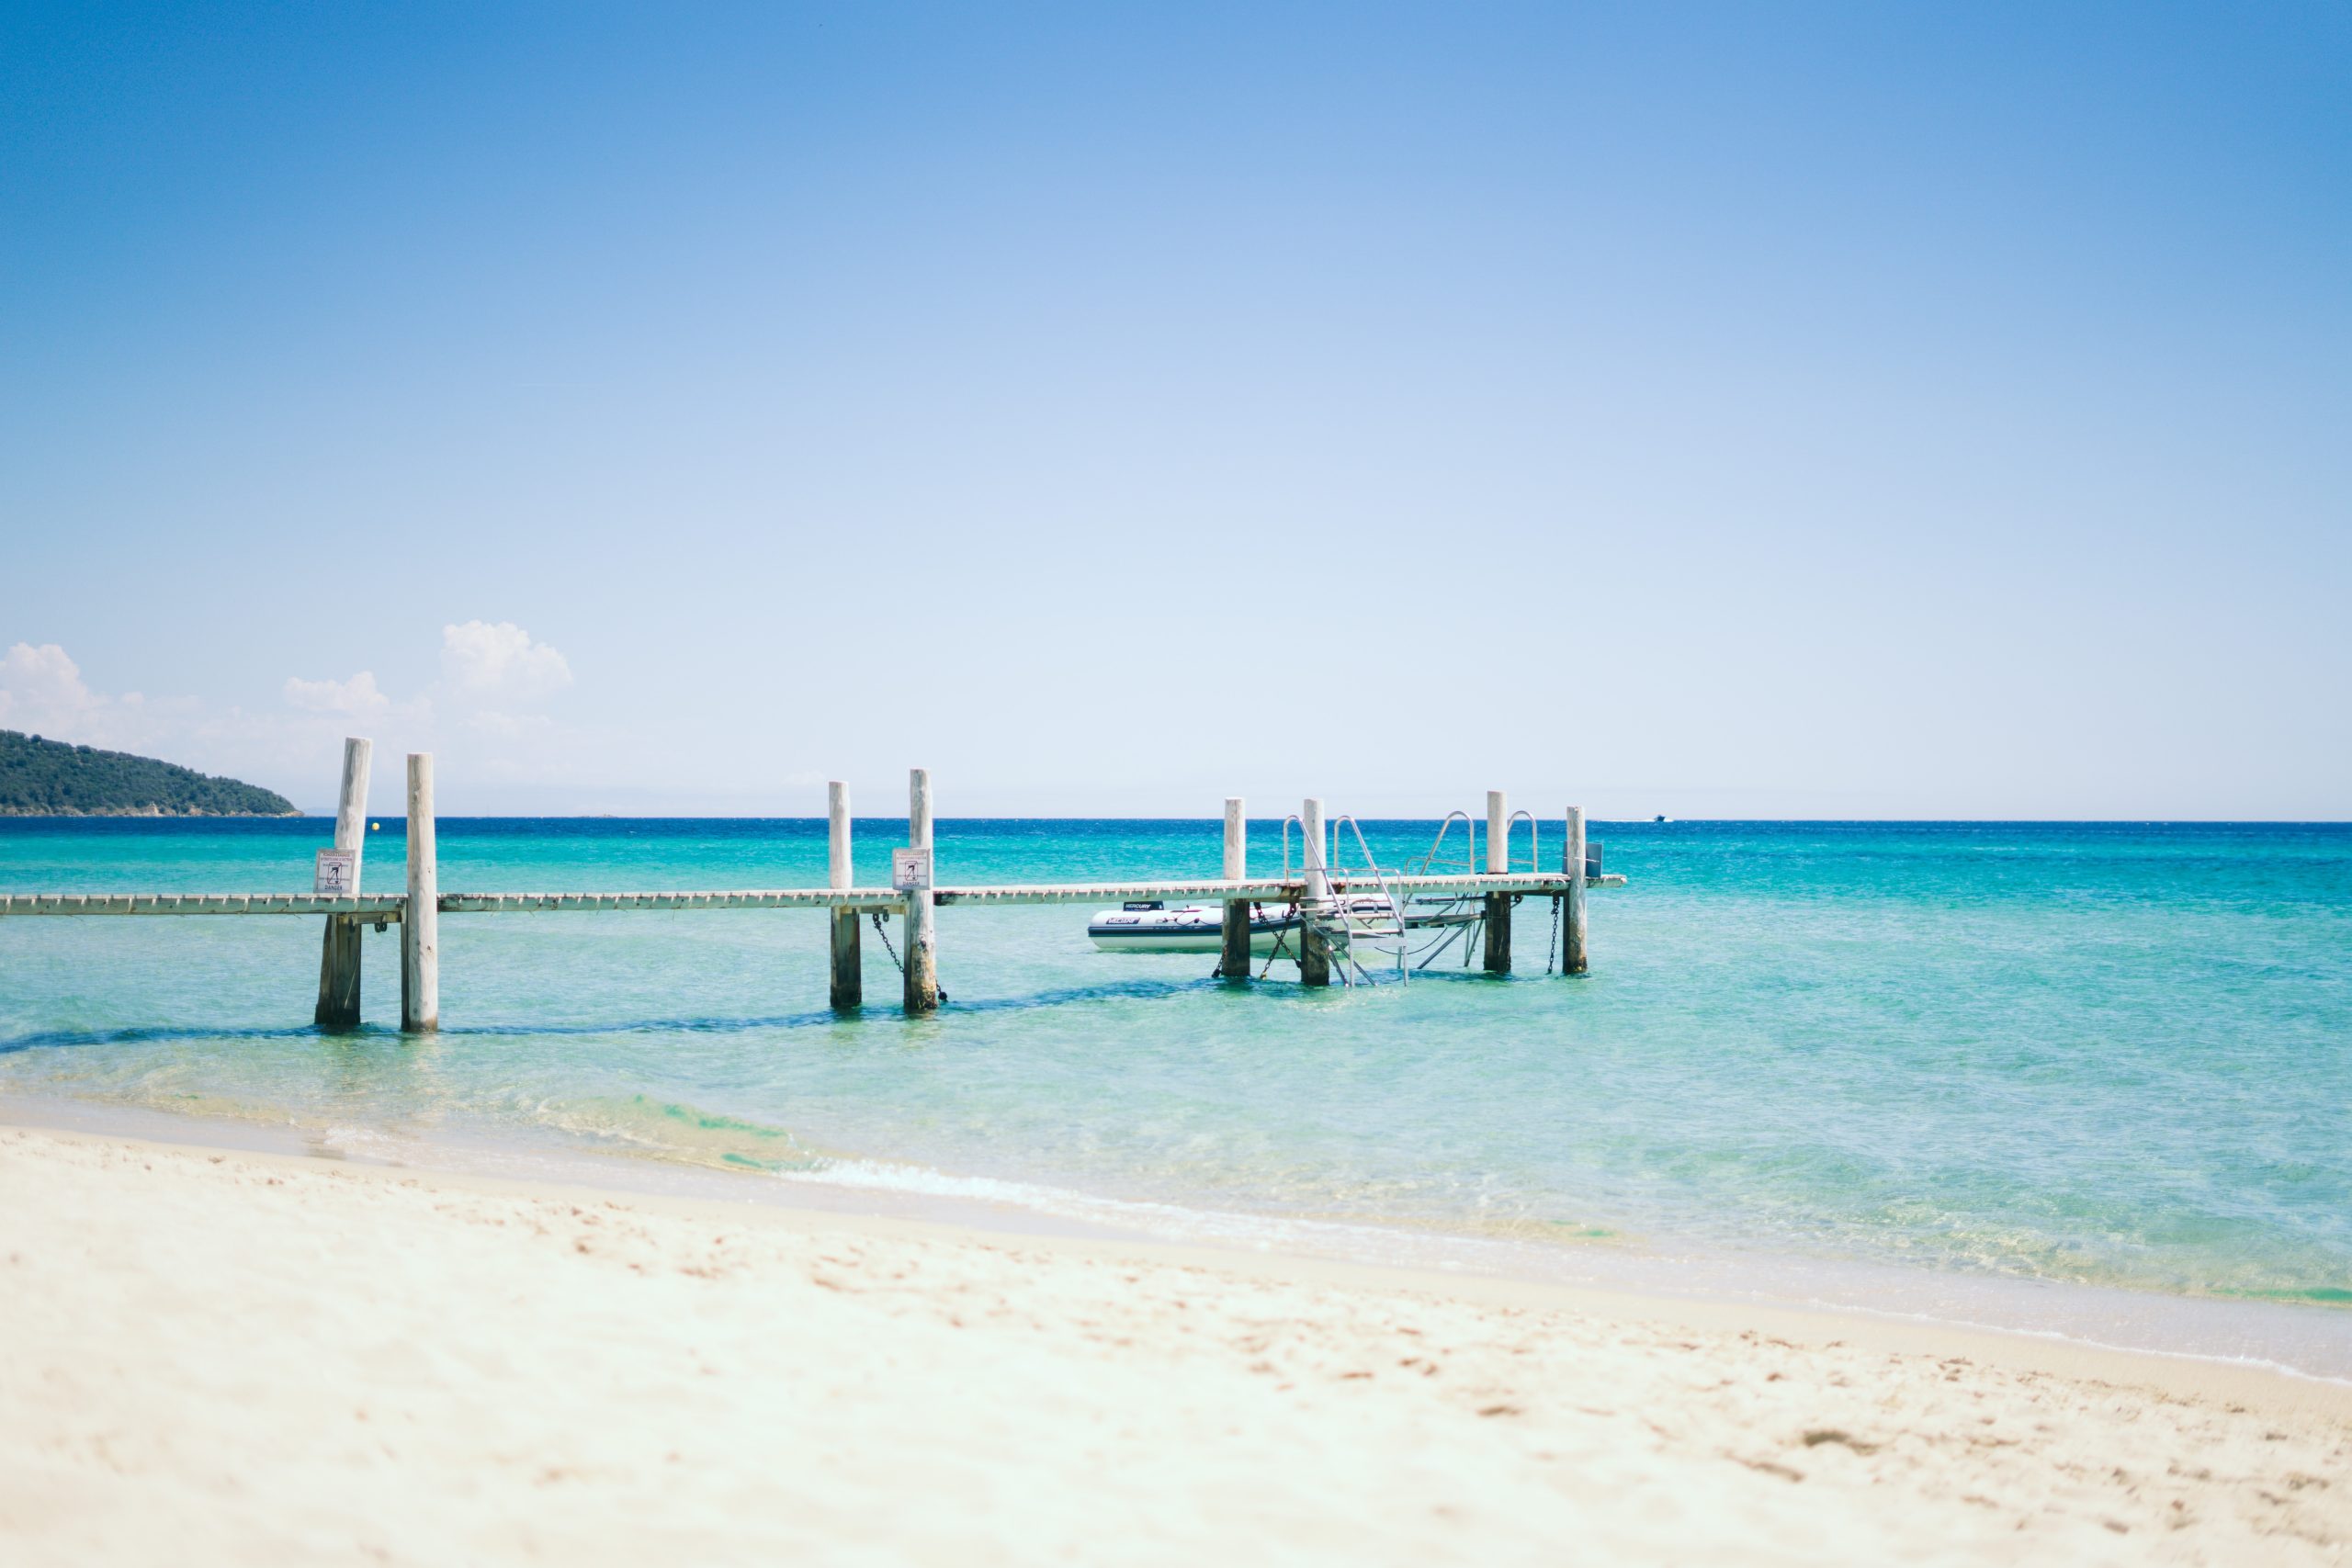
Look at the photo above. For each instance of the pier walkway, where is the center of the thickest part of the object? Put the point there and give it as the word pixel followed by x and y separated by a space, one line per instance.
pixel 1317 892
pixel 390 906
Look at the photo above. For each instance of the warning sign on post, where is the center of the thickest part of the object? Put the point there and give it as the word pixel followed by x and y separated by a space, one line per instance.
pixel 338 874
pixel 910 870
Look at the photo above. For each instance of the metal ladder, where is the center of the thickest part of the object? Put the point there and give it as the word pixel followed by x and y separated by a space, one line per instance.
pixel 1456 914
pixel 1345 929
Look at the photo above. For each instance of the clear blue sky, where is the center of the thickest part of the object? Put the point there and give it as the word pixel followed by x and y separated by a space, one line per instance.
pixel 1851 410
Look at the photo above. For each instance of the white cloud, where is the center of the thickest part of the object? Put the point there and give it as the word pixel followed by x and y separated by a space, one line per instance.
pixel 483 659
pixel 357 696
pixel 42 690
pixel 480 717
pixel 42 693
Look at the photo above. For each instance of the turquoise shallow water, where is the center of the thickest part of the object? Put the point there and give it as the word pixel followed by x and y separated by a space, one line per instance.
pixel 2115 1054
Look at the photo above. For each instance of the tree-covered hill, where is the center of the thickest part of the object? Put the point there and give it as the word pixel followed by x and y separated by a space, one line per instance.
pixel 49 778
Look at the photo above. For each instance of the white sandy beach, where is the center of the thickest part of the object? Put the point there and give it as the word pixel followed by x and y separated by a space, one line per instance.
pixel 225 1357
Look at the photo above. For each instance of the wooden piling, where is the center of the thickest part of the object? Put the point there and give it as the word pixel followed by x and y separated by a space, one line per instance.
pixel 1497 921
pixel 338 1005
pixel 1572 956
pixel 1313 948
pixel 421 921
pixel 922 993
pixel 849 966
pixel 1234 963
pixel 339 952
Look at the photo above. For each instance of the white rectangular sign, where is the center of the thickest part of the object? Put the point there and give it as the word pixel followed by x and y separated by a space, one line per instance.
pixel 338 874
pixel 910 870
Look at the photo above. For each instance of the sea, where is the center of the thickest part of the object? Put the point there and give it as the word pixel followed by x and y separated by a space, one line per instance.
pixel 2089 1080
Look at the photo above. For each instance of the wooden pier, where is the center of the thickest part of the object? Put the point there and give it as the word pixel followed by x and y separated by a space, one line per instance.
pixel 916 895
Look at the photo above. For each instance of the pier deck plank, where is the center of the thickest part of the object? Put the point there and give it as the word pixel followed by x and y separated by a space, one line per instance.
pixel 389 906
pixel 374 907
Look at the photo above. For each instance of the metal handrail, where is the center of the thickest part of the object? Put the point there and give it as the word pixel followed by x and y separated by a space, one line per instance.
pixel 1430 862
pixel 1535 841
pixel 1470 863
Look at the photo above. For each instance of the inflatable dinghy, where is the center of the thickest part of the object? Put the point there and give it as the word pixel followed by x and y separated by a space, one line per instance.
pixel 1150 926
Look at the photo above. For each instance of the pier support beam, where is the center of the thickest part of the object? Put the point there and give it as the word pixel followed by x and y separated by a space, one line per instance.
pixel 1498 923
pixel 922 915
pixel 1572 955
pixel 1233 963
pixel 339 947
pixel 1314 950
pixel 849 961
pixel 421 921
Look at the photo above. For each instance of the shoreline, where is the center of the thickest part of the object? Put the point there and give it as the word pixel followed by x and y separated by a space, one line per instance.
pixel 234 1356
pixel 2070 1316
pixel 703 1191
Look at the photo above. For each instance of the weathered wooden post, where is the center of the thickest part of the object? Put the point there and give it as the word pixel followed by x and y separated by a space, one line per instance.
pixel 1235 963
pixel 421 921
pixel 849 966
pixel 922 915
pixel 339 948
pixel 1497 922
pixel 1572 958
pixel 1313 948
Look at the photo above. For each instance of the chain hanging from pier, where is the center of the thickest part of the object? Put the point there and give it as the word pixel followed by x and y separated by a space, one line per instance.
pixel 883 932
pixel 1281 936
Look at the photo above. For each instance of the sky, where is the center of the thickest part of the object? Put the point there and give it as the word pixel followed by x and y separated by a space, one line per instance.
pixel 1840 411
